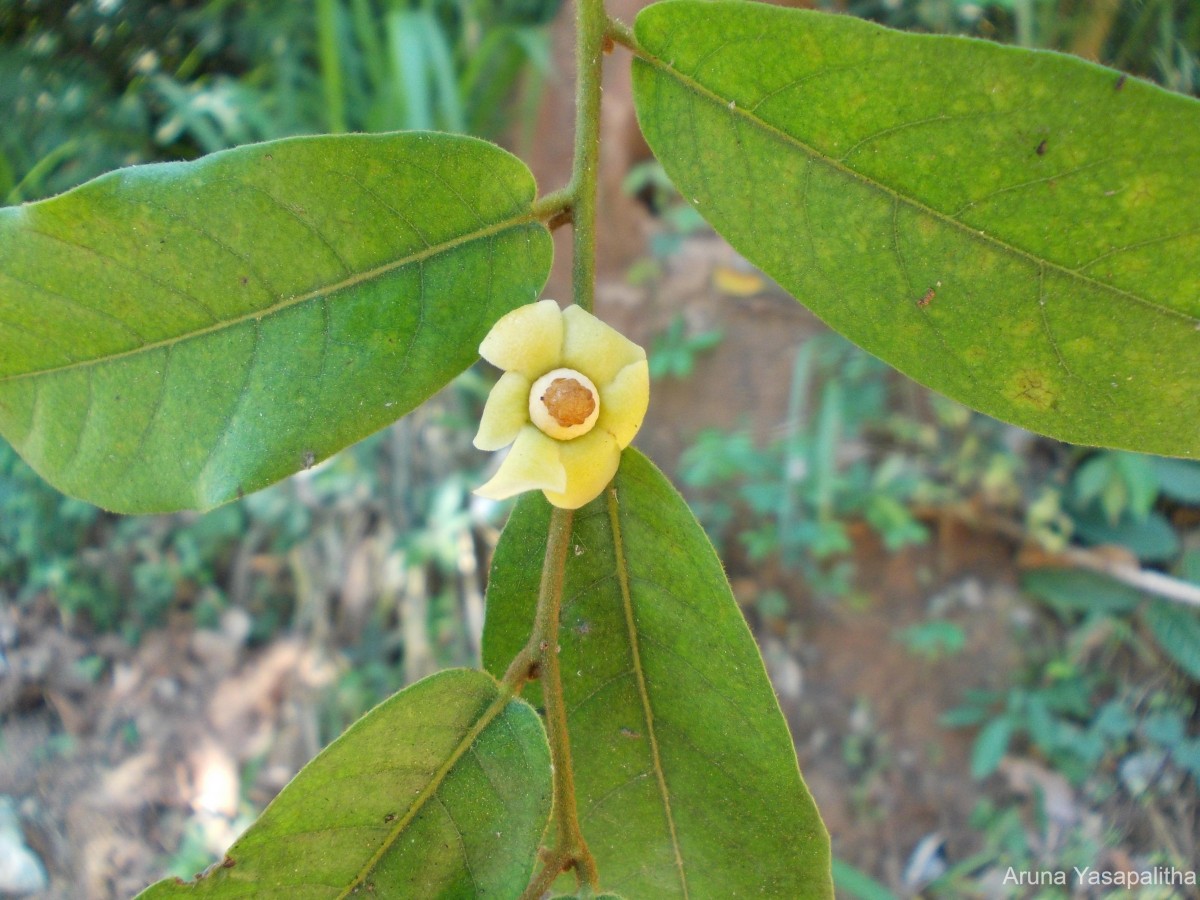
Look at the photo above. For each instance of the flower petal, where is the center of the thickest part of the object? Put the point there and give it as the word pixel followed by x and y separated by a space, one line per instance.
pixel 533 463
pixel 527 340
pixel 590 462
pixel 623 403
pixel 595 349
pixel 506 411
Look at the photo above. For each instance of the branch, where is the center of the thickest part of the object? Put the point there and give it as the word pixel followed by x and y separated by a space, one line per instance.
pixel 1122 570
pixel 1119 568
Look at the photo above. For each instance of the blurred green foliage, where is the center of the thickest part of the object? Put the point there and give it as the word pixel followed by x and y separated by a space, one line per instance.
pixel 1154 39
pixel 280 555
pixel 1074 704
pixel 934 639
pixel 648 181
pixel 794 496
pixel 90 86
pixel 674 352
pixel 87 87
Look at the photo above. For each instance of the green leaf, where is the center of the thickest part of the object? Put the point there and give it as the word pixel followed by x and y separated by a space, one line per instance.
pixel 1016 229
pixel 1153 538
pixel 964 716
pixel 854 883
pixel 176 335
pixel 1178 478
pixel 442 790
pixel 686 775
pixel 990 747
pixel 1177 631
pixel 1164 728
pixel 1076 590
pixel 1189 566
pixel 934 640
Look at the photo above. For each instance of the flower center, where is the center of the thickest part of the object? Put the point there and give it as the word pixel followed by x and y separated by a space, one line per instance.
pixel 568 401
pixel 564 404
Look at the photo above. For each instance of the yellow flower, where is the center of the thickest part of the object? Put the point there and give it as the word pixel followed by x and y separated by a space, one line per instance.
pixel 572 396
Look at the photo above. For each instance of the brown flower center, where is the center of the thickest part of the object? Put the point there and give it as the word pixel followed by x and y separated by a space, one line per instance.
pixel 568 401
pixel 564 404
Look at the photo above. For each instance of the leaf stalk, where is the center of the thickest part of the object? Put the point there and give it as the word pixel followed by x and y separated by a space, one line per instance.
pixel 555 208
pixel 620 33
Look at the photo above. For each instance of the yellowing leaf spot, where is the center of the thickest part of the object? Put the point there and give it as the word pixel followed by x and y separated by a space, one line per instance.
pixel 1033 388
pixel 1141 191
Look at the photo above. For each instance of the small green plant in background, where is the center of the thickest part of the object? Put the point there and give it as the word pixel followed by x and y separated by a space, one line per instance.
pixel 1121 498
pixel 674 352
pixel 794 497
pixel 1068 706
pixel 428 64
pixel 934 640
pixel 1156 40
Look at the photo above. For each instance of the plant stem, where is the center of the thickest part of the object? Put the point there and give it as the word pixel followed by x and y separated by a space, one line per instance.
pixel 591 30
pixel 539 659
pixel 570 837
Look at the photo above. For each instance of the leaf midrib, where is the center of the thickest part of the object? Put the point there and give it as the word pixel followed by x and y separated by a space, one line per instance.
pixel 640 677
pixel 645 56
pixel 497 706
pixel 425 253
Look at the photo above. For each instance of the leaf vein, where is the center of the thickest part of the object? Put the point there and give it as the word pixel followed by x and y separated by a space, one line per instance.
pixel 78 304
pixel 643 690
pixel 918 123
pixel 73 456
pixel 200 229
pixel 1114 251
pixel 284 303
pixel 366 189
pixel 151 420
pixel 309 226
pixel 603 798
pixel 597 690
pixel 987 198
pixel 703 92
pixel 462 843
pixel 137 272
pixel 797 82
pixel 227 423
pixel 487 715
